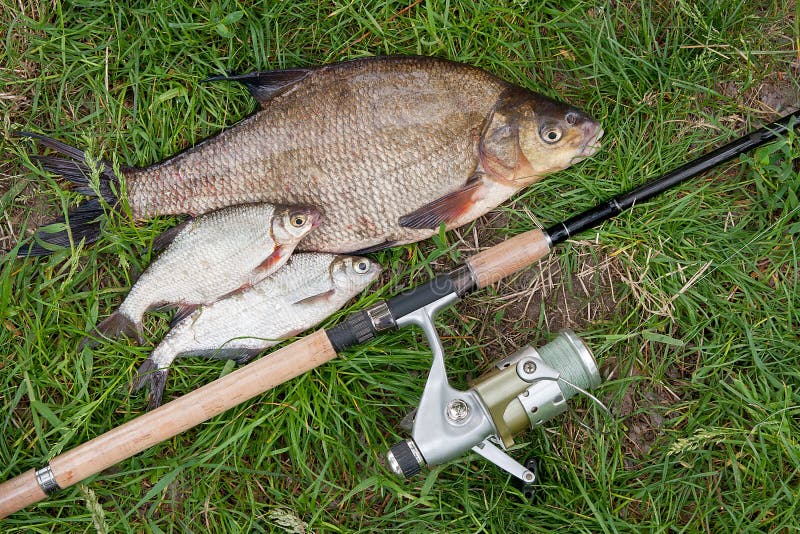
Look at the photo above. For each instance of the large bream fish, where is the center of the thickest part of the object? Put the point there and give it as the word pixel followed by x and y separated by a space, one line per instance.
pixel 211 256
pixel 304 292
pixel 389 148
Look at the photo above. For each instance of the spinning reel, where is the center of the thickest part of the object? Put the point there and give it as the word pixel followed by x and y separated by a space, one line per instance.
pixel 524 390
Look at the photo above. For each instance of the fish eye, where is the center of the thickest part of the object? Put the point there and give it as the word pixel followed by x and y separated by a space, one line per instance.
pixel 361 266
pixel 550 134
pixel 298 220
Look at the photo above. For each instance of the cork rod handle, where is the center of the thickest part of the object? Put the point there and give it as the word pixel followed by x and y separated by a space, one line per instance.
pixel 508 257
pixel 170 419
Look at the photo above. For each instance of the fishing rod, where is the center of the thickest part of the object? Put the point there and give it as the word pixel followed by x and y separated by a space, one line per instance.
pixel 448 422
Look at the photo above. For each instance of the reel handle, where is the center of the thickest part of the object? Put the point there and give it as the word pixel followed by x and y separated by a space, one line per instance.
pixel 508 257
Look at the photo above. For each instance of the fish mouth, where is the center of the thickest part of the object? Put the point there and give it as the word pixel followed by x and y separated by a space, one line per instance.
pixel 315 215
pixel 591 145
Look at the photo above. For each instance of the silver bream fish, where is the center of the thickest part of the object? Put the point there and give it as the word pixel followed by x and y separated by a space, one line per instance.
pixel 307 290
pixel 210 257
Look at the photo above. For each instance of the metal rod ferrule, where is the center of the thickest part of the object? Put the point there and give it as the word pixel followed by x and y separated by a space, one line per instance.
pixel 46 480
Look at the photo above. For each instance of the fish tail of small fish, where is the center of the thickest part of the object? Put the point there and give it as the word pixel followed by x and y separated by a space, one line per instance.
pixel 118 324
pixel 82 223
pixel 152 377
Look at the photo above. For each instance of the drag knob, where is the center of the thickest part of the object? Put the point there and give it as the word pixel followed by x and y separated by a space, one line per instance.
pixel 405 458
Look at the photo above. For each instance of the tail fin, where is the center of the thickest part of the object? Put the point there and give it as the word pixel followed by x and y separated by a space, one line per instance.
pixel 151 377
pixel 82 222
pixel 118 324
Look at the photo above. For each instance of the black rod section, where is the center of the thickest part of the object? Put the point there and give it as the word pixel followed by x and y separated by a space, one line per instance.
pixel 595 216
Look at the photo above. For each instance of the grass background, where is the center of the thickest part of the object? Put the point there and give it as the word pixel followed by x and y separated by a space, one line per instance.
pixel 690 302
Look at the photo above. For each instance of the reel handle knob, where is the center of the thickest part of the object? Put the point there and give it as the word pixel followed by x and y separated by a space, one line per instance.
pixel 528 489
pixel 405 459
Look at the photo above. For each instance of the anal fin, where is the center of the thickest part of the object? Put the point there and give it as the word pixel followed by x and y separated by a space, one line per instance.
pixel 165 238
pixel 375 248
pixel 239 355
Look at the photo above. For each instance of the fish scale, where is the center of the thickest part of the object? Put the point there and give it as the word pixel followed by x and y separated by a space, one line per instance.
pixel 415 147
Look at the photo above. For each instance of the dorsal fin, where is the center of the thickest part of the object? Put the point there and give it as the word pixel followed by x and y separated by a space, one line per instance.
pixel 265 86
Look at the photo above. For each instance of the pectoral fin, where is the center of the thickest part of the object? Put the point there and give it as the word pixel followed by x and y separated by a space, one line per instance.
pixel 446 209
pixel 265 86
pixel 313 298
pixel 268 265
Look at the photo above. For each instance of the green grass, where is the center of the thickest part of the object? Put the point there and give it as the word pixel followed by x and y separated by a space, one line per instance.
pixel 702 337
